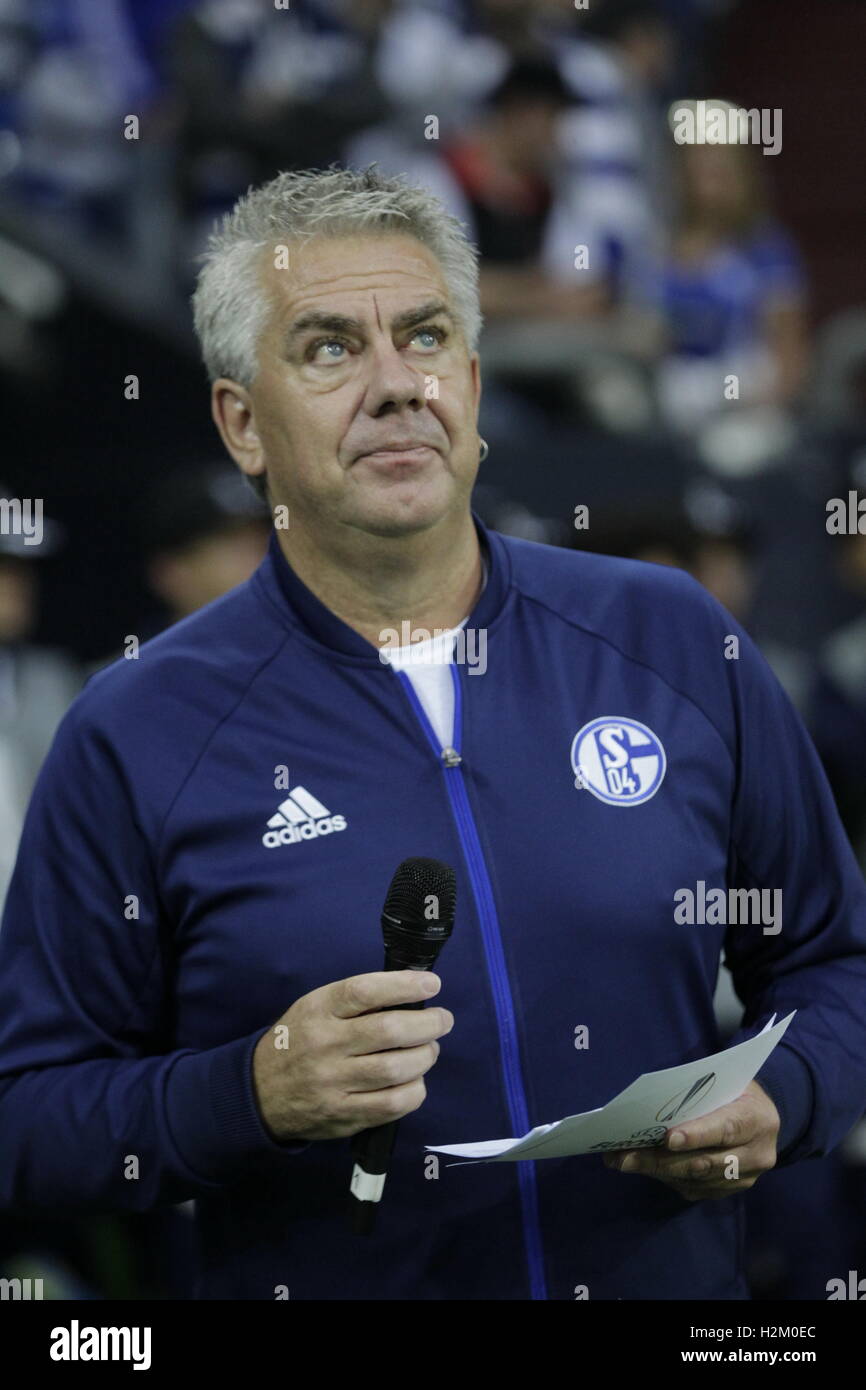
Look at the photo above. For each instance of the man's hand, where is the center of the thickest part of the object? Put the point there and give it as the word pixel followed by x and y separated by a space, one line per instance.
pixel 695 1157
pixel 342 1058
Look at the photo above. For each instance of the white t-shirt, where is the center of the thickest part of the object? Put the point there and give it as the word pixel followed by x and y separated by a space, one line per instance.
pixel 427 665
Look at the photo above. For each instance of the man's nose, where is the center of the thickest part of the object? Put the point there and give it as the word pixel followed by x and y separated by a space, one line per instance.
pixel 391 380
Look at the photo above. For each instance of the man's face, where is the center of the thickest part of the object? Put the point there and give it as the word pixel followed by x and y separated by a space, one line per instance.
pixel 365 404
pixel 194 574
pixel 529 130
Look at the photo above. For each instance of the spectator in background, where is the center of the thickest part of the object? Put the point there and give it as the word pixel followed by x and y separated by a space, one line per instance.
pixel 503 173
pixel 70 73
pixel 732 293
pixel 201 534
pixel 447 58
pixel 714 534
pixel 706 531
pixel 37 685
pixel 255 90
pixel 204 532
pixel 620 69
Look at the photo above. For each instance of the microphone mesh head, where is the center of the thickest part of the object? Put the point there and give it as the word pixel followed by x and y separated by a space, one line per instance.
pixel 413 885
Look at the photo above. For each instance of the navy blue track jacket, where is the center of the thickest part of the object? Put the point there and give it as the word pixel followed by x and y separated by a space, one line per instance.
pixel 169 904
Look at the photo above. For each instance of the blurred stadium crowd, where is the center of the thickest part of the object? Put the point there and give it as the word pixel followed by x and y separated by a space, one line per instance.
pixel 127 127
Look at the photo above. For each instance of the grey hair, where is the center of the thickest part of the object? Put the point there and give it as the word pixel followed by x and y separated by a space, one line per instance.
pixel 230 302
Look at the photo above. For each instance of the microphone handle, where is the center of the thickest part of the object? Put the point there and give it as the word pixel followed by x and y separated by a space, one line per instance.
pixel 372 1148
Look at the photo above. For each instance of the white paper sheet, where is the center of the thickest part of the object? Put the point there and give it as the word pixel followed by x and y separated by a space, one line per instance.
pixel 641 1114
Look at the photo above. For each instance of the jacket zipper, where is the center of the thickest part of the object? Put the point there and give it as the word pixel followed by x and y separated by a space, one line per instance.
pixel 451 760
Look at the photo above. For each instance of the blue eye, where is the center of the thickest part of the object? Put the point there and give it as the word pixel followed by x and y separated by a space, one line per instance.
pixel 329 343
pixel 437 334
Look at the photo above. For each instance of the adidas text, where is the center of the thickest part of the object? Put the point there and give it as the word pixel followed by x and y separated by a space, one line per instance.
pixel 310 830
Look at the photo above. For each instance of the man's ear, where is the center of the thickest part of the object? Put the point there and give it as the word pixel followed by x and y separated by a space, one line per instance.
pixel 232 411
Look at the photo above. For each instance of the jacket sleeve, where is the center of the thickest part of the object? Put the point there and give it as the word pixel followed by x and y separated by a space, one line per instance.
pixel 96 1111
pixel 787 836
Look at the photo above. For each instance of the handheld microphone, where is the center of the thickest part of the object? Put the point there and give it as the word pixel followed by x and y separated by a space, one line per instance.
pixel 416 922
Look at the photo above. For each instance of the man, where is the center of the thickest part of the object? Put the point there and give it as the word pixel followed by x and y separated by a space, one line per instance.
pixel 501 177
pixel 190 999
pixel 203 534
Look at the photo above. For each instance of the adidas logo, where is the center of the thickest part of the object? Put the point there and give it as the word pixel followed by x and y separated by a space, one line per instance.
pixel 300 817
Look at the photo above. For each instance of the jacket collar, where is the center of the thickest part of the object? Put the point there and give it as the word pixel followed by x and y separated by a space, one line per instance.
pixel 324 627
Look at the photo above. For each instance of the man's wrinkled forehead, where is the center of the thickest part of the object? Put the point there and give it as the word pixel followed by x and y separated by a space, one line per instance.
pixel 372 278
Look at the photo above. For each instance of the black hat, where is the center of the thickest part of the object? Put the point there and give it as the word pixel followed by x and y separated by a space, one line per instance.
pixel 191 505
pixel 528 80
